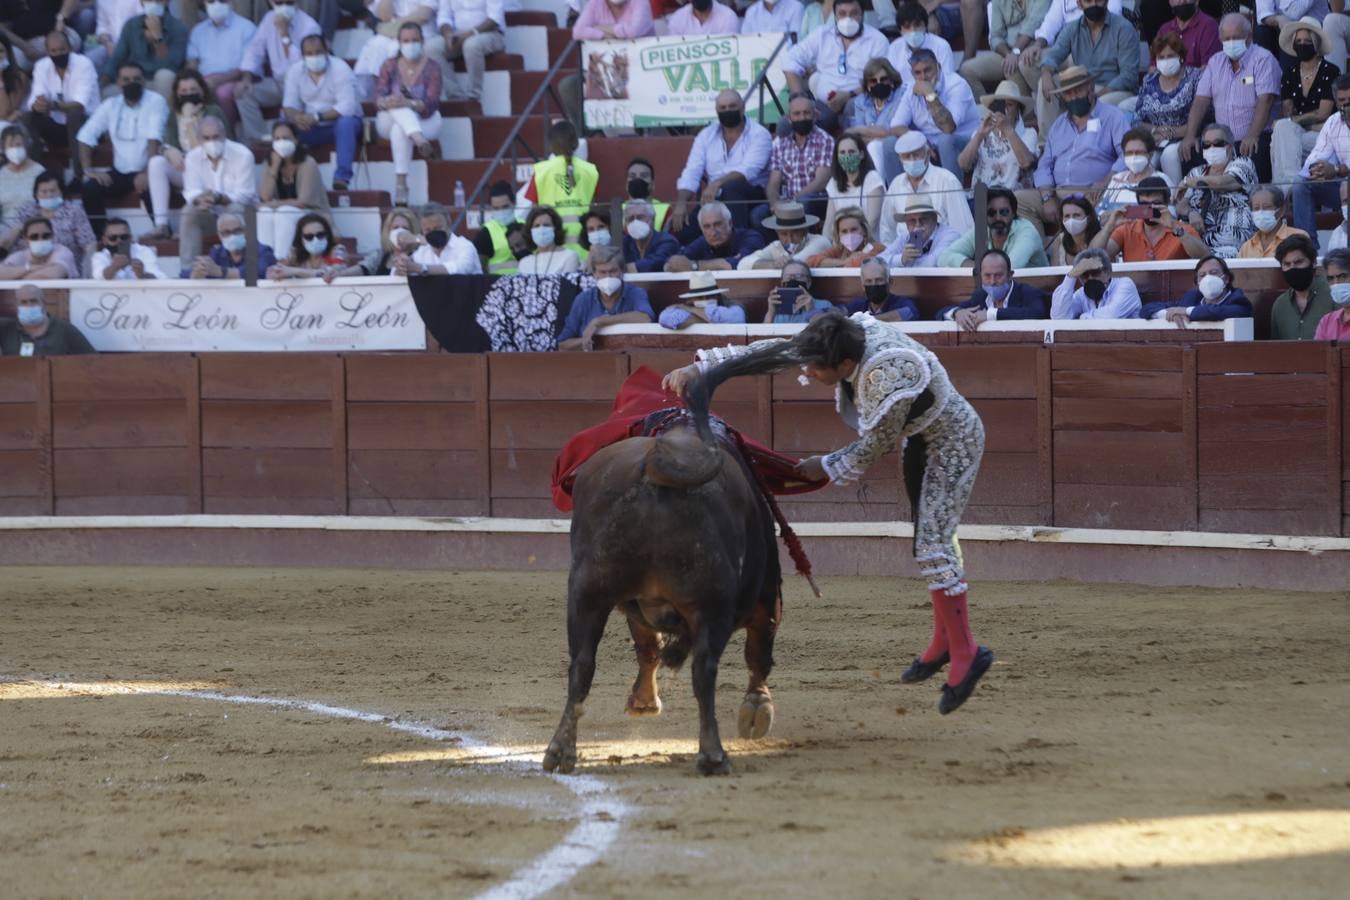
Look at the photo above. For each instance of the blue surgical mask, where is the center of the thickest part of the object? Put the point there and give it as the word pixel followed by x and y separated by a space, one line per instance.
pixel 998 292
pixel 1340 295
pixel 50 202
pixel 411 50
pixel 502 217
pixel 316 63
pixel 31 315
pixel 915 168
pixel 915 38
pixel 41 249
pixel 598 238
pixel 154 9
pixel 234 242
pixel 1264 219
pixel 542 235
pixel 1235 49
pixel 316 246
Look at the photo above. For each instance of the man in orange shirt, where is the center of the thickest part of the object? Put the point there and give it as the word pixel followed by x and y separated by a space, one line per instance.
pixel 1159 236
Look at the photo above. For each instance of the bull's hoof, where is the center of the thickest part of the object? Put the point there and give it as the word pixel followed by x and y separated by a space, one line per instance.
pixel 560 759
pixel 755 718
pixel 636 707
pixel 708 766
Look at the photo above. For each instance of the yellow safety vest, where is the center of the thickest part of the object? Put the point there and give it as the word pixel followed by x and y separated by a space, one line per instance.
pixel 661 209
pixel 551 186
pixel 502 261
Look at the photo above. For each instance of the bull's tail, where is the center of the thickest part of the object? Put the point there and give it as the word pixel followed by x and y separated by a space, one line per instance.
pixel 698 396
pixel 679 458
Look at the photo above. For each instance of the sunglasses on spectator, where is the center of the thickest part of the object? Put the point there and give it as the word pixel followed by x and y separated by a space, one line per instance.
pixel 1003 213
pixel 1210 144
pixel 314 234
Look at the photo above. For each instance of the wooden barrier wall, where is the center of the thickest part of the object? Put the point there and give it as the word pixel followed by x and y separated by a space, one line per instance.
pixel 1217 437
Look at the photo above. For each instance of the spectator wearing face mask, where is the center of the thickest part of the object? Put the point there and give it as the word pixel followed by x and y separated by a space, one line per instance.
pixel 18 173
pixel 155 42
pixel 1078 226
pixel 853 242
pixel 854 182
pixel 494 251
pixel 939 104
pixel 1307 98
pixel 1197 31
pixel 728 163
pixel 1002 150
pixel 1215 196
pixel 121 258
pixel 42 259
pixel 1104 43
pixel 442 253
pixel 217 177
pixel 595 232
pixel 834 56
pixel 64 90
pixel 1165 99
pixel 1082 148
pixel 1213 299
pixel 216 46
pixel 1018 238
pixel 800 162
pixel 67 217
pixel 792 223
pixel 644 248
pixel 547 255
pixel 315 252
pixel 920 176
pixel 1137 149
pixel 1335 325
pixel 37 334
pixel 923 239
pixel 227 259
pixel 408 96
pixel 790 301
pixel 1158 235
pixel 321 100
pixel 134 122
pixel 275 48
pixel 1297 312
pixel 398 237
pixel 912 20
pixel 997 297
pixel 398 23
pixel 190 108
pixel 611 302
pixel 289 186
pixel 877 299
pixel 699 18
pixel 1268 215
pixel 719 246
pixel 868 117
pixel 641 179
pixel 704 302
pixel 1090 292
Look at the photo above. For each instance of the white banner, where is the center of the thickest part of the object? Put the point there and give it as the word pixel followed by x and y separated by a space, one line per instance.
pixel 657 81
pixel 204 316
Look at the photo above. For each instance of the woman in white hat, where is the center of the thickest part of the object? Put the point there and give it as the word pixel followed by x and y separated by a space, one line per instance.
pixel 1307 99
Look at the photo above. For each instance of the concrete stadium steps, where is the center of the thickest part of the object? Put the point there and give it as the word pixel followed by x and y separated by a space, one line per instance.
pixel 489 132
pixel 523 86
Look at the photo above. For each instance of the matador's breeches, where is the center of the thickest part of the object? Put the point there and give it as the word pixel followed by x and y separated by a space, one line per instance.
pixel 941 463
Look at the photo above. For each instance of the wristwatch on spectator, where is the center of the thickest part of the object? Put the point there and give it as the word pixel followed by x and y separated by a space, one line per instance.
pixel 693 265
pixel 930 96
pixel 1017 51
pixel 1178 231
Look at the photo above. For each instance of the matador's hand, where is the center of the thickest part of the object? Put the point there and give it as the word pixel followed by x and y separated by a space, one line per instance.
pixel 678 381
pixel 812 469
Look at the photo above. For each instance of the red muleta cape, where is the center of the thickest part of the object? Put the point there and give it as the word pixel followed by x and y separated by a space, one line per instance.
pixel 640 396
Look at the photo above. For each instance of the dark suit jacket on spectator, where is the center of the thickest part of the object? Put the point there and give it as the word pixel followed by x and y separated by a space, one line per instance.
pixel 1025 301
pixel 743 241
pixel 905 306
pixel 221 257
pixel 1233 306
pixel 60 339
pixel 660 247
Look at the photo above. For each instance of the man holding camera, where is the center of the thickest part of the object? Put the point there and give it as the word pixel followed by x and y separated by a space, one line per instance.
pixel 1148 230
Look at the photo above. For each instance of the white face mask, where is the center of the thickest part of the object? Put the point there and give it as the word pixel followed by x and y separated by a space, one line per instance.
pixel 284 147
pixel 218 11
pixel 609 286
pixel 1075 225
pixel 316 63
pixel 214 148
pixel 1211 286
pixel 411 50
pixel 154 9
pixel 915 38
pixel 1169 66
pixel 542 235
pixel 1136 162
pixel 638 229
pixel 398 235
pixel 598 238
pixel 16 155
pixel 915 168
pixel 849 27
pixel 1216 156
pixel 502 217
pixel 284 10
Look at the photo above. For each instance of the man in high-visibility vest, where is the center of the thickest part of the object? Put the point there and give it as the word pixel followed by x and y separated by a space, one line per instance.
pixel 641 183
pixel 491 241
pixel 564 181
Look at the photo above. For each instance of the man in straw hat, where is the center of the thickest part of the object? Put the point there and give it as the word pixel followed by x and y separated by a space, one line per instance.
pixel 1082 146
pixel 790 221
pixel 1102 42
pixel 921 177
pixel 1309 98
pixel 705 301
pixel 1242 83
pixel 924 237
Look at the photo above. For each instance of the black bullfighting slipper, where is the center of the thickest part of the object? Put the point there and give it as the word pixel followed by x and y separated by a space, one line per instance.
pixel 922 671
pixel 954 695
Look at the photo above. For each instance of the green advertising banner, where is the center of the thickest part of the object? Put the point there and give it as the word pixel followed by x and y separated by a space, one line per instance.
pixel 675 80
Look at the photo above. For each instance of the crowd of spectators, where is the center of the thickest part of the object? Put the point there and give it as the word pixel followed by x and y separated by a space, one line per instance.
pixel 1101 131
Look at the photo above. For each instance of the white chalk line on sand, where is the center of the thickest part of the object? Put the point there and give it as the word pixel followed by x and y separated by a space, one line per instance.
pixel 601 812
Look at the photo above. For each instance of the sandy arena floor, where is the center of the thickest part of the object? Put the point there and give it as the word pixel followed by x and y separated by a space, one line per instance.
pixel 1129 742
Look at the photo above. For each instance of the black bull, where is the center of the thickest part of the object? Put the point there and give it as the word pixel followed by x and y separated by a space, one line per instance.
pixel 674 531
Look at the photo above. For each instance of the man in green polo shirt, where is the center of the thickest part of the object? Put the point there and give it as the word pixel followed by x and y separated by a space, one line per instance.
pixel 1297 311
